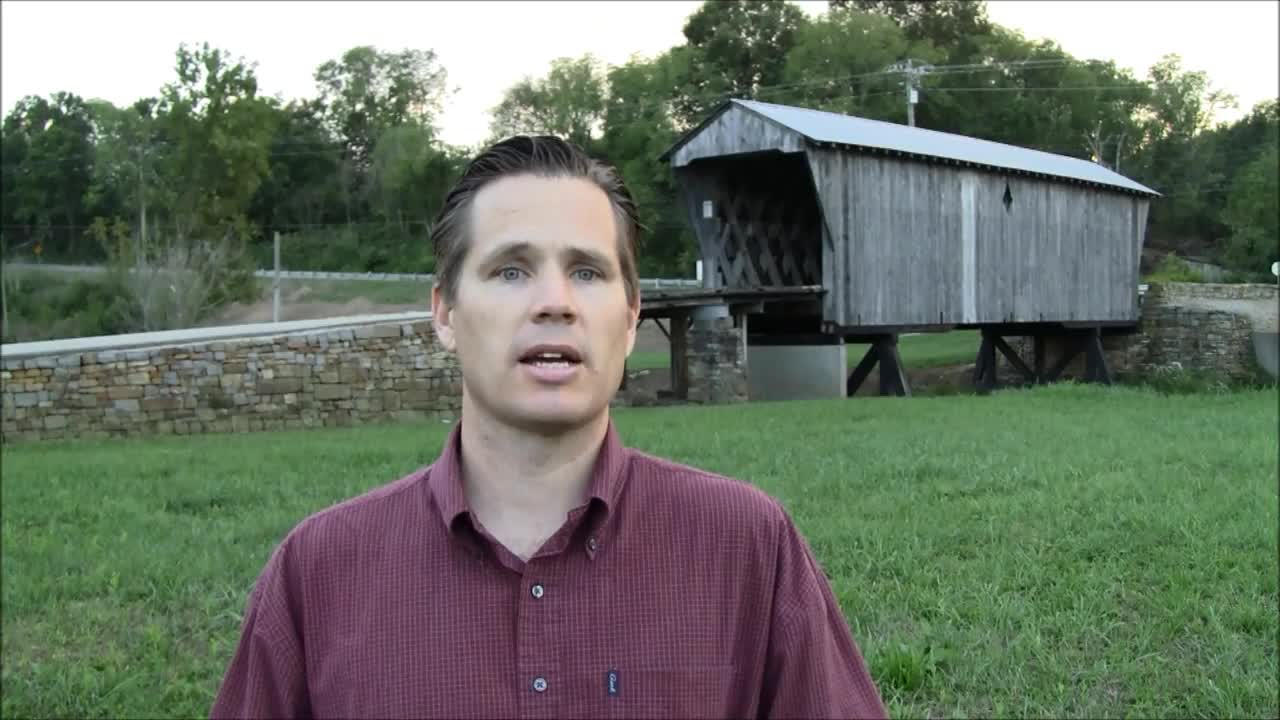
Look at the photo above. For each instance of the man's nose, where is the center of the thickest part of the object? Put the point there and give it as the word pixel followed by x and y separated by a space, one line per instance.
pixel 554 300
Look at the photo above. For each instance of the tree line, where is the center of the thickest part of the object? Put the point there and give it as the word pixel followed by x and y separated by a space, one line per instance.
pixel 202 174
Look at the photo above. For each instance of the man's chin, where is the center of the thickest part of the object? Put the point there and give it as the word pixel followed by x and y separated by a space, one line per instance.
pixel 554 418
pixel 542 410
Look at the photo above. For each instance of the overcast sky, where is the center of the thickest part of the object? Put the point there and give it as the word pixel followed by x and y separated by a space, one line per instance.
pixel 122 51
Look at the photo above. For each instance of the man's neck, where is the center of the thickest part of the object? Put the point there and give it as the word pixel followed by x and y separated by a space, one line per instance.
pixel 521 485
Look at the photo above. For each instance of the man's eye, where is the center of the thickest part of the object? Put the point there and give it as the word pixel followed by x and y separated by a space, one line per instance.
pixel 587 274
pixel 510 273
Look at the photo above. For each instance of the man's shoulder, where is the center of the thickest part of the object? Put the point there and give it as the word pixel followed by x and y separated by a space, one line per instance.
pixel 692 491
pixel 374 512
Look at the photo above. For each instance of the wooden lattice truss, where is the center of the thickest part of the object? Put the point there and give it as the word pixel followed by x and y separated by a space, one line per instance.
pixel 769 230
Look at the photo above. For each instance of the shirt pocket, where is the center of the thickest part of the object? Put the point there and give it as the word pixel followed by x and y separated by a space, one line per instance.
pixel 671 692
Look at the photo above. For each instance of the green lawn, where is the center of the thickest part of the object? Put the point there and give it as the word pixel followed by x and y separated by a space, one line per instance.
pixel 378 292
pixel 644 360
pixel 928 350
pixel 918 351
pixel 1066 551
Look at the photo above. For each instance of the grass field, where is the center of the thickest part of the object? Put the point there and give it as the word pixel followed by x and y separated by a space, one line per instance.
pixel 1066 551
pixel 378 292
pixel 917 351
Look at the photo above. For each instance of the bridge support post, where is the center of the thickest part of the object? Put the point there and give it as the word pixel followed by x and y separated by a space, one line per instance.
pixel 883 352
pixel 1071 341
pixel 679 337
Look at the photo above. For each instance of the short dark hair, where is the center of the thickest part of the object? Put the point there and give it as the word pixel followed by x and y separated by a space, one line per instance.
pixel 542 156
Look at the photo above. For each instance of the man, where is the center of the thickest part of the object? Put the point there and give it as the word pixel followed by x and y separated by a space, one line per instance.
pixel 538 568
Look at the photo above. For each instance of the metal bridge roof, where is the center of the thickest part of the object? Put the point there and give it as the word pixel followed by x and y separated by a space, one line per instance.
pixel 828 127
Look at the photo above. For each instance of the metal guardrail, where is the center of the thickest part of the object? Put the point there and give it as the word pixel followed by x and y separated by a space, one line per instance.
pixel 387 277
pixel 13 353
pixel 322 275
pixel 428 277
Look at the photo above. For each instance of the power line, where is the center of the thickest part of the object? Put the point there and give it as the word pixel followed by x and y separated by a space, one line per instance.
pixel 332 151
pixel 1091 88
pixel 265 225
pixel 770 90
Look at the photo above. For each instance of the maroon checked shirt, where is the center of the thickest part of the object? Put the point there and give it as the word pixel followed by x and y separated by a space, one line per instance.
pixel 670 593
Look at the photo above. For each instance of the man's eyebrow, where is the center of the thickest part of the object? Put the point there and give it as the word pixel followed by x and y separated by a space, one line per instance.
pixel 521 248
pixel 590 257
pixel 507 250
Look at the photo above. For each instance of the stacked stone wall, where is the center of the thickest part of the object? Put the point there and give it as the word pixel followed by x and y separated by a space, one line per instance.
pixel 1197 327
pixel 359 374
pixel 717 362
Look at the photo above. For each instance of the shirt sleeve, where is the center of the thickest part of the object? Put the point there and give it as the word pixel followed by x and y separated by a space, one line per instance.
pixel 814 668
pixel 267 674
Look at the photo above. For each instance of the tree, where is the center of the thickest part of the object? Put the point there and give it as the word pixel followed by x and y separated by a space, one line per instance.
pixel 304 183
pixel 838 61
pixel 211 151
pixel 953 26
pixel 1250 213
pixel 13 153
pixel 734 48
pixel 214 145
pixel 49 166
pixel 639 125
pixel 367 92
pixel 124 173
pixel 568 102
pixel 1173 140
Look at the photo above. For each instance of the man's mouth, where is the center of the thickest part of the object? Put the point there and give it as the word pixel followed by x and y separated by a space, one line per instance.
pixel 546 356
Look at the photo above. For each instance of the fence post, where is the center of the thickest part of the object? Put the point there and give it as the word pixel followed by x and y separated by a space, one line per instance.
pixel 275 285
pixel 4 303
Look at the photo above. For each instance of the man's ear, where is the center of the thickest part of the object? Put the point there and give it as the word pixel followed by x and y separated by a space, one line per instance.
pixel 633 314
pixel 441 320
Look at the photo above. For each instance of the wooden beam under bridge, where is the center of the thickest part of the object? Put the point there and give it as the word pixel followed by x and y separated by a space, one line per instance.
pixel 662 303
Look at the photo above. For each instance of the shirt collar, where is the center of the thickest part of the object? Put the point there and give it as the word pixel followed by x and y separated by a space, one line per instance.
pixel 607 476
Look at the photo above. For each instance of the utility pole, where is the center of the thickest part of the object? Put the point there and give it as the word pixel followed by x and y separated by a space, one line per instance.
pixel 142 204
pixel 275 286
pixel 913 73
pixel 911 96
pixel 4 304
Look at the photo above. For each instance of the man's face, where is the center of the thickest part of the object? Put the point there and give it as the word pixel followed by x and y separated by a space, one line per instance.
pixel 541 323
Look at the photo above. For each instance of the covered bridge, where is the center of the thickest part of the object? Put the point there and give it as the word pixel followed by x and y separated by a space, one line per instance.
pixel 909 230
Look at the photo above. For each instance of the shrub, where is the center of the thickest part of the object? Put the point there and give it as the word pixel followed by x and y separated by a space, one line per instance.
pixel 1173 379
pixel 1174 269
pixel 359 248
pixel 45 306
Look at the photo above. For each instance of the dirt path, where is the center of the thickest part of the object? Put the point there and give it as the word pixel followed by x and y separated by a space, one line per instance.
pixel 295 306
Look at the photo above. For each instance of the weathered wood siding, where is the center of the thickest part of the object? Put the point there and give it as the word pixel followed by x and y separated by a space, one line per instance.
pixel 912 243
pixel 1059 252
pixel 696 185
pixel 737 131
pixel 891 243
pixel 764 224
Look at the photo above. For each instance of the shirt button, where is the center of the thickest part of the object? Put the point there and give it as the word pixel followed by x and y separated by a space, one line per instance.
pixel 537 591
pixel 592 544
pixel 540 684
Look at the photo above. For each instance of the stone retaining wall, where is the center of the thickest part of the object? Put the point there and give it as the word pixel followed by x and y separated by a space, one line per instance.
pixel 392 370
pixel 717 362
pixel 302 376
pixel 1172 292
pixel 1198 327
